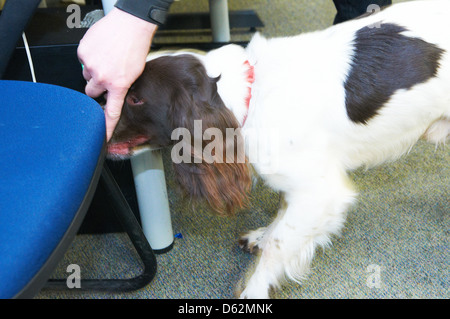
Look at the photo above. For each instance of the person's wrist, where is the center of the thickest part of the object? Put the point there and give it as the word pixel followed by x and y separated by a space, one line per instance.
pixel 141 24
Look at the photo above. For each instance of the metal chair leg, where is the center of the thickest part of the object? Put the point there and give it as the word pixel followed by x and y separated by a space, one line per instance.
pixel 132 227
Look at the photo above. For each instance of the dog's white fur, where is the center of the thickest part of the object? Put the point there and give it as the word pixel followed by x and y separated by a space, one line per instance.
pixel 299 93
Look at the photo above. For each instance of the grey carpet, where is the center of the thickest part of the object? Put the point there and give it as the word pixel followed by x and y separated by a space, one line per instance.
pixel 399 225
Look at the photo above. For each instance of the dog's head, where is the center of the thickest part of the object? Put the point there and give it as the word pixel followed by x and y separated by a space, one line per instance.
pixel 175 103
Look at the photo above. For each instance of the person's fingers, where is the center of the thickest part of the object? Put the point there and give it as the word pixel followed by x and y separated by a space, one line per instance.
pixel 113 110
pixel 94 89
pixel 86 75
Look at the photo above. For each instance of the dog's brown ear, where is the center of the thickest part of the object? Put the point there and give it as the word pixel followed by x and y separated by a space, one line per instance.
pixel 208 153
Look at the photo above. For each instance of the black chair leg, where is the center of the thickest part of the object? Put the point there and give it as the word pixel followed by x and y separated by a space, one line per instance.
pixel 132 227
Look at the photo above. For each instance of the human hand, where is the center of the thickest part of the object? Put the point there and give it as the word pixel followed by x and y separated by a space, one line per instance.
pixel 113 52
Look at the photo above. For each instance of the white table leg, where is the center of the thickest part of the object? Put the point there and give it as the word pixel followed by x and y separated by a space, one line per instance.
pixel 220 24
pixel 151 192
pixel 108 5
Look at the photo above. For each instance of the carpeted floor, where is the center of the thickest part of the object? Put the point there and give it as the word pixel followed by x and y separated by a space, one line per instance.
pixel 397 232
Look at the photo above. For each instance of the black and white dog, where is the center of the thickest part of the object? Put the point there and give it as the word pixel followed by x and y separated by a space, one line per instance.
pixel 306 109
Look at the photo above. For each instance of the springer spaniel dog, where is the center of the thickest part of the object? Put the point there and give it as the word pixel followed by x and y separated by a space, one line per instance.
pixel 299 111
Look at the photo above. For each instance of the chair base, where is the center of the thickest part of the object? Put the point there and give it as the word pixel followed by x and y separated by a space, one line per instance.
pixel 132 227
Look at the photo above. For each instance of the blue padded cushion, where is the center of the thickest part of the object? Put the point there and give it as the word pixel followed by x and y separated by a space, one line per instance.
pixel 50 142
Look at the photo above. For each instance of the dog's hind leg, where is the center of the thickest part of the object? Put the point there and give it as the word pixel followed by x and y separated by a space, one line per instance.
pixel 307 220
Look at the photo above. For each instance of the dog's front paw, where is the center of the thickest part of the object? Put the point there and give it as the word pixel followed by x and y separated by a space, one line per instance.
pixel 252 241
pixel 253 292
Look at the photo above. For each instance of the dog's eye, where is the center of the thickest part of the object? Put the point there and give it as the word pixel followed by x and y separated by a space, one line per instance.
pixel 133 100
pixel 136 100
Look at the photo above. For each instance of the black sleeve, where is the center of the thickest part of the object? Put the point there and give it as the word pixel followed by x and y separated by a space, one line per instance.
pixel 154 11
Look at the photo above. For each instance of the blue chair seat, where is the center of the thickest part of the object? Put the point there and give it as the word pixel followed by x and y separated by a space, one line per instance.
pixel 52 146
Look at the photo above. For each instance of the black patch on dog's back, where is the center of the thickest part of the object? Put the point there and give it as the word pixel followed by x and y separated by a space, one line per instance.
pixel 385 61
